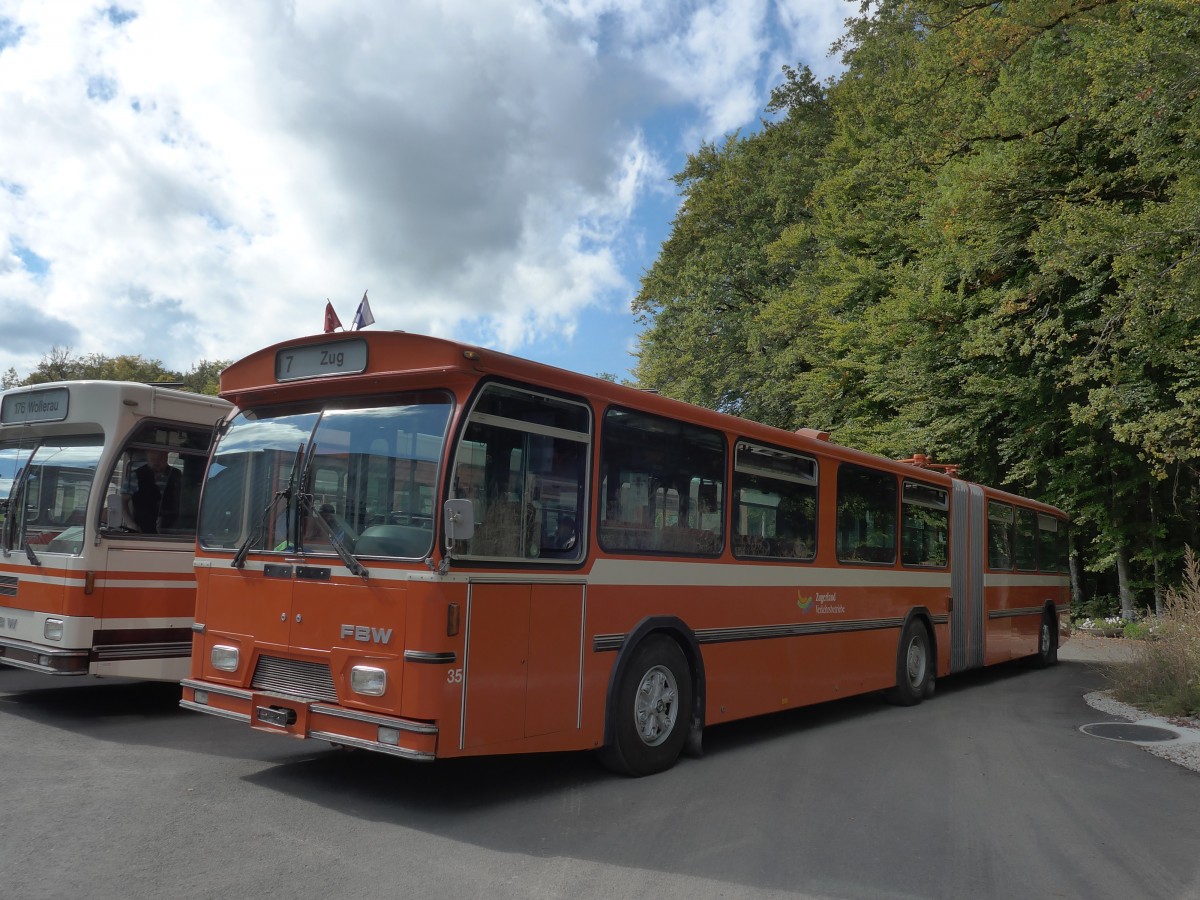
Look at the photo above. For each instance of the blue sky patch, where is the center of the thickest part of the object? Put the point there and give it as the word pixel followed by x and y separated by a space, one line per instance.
pixel 32 262
pixel 118 16
pixel 101 88
pixel 10 33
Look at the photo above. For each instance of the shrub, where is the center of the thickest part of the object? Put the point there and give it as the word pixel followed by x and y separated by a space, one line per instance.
pixel 1097 608
pixel 1138 631
pixel 1164 676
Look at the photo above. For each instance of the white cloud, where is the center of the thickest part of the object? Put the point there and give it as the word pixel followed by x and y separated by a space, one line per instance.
pixel 192 181
pixel 811 27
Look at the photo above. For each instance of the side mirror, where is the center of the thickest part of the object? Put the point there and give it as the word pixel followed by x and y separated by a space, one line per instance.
pixel 460 521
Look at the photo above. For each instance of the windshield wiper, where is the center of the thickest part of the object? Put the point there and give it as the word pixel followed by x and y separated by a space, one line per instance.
pixel 349 560
pixel 304 491
pixel 305 499
pixel 239 558
pixel 8 528
pixel 33 557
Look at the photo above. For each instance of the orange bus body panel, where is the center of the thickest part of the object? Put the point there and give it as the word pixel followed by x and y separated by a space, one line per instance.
pixel 484 657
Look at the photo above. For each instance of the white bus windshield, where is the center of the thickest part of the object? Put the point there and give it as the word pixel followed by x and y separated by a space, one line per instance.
pixel 13 456
pixel 49 496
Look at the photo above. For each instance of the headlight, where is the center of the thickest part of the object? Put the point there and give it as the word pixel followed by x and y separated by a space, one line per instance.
pixel 368 680
pixel 53 629
pixel 224 658
pixel 389 735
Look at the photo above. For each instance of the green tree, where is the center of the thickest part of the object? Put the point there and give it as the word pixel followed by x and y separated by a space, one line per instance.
pixel 704 298
pixel 991 255
pixel 61 365
pixel 205 376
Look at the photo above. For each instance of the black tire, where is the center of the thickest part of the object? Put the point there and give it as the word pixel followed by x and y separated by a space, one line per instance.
pixel 914 667
pixel 1047 652
pixel 652 709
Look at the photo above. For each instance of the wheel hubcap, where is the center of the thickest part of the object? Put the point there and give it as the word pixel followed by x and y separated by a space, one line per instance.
pixel 656 706
pixel 916 663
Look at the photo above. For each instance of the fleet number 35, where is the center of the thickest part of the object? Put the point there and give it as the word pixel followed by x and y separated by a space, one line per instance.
pixel 454 676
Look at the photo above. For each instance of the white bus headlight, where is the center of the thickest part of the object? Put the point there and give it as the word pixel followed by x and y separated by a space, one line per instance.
pixel 53 629
pixel 224 658
pixel 368 680
pixel 389 735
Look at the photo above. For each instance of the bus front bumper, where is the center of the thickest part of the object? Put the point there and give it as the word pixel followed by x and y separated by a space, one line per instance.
pixel 47 660
pixel 301 718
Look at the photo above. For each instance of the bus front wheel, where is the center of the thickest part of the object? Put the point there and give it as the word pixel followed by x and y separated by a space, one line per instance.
pixel 914 667
pixel 652 709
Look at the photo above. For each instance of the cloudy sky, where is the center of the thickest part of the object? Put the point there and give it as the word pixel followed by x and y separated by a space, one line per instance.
pixel 191 181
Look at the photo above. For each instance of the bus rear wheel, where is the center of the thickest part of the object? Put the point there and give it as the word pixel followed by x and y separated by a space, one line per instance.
pixel 652 710
pixel 1047 653
pixel 914 667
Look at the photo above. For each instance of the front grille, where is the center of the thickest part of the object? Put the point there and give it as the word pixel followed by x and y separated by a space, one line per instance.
pixel 8 585
pixel 309 680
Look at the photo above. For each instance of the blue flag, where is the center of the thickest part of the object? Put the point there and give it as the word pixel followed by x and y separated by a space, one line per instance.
pixel 363 317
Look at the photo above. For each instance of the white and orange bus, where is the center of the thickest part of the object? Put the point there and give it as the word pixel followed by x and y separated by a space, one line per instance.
pixel 100 488
pixel 433 550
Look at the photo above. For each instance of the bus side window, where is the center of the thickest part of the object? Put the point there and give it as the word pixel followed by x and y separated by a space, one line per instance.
pixel 774 503
pixel 662 485
pixel 522 462
pixel 154 487
pixel 925 525
pixel 1052 544
pixel 866 515
pixel 1000 535
pixel 1025 553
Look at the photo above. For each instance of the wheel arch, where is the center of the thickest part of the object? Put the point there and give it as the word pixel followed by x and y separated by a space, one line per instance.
pixel 674 628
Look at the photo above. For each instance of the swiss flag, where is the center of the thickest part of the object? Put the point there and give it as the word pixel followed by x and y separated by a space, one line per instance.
pixel 331 318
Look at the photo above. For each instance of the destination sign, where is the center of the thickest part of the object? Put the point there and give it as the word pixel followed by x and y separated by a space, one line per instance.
pixel 48 405
pixel 321 360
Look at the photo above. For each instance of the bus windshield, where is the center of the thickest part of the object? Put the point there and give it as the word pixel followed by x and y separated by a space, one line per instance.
pixel 49 495
pixel 299 478
pixel 13 456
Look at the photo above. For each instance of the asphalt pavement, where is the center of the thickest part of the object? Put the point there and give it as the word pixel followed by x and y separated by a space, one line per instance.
pixel 1083 647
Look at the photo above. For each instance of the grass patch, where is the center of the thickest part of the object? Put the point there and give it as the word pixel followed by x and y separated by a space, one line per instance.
pixel 1164 676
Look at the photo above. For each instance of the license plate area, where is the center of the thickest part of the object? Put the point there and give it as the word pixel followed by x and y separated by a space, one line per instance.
pixel 277 714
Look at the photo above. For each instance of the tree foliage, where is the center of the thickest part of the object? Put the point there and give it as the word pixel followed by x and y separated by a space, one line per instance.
pixel 61 365
pixel 980 242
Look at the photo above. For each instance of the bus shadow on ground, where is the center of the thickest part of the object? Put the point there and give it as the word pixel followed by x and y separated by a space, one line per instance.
pixel 438 794
pixel 85 699
pixel 136 713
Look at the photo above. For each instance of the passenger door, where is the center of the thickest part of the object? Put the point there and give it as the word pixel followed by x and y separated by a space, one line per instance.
pixel 523 663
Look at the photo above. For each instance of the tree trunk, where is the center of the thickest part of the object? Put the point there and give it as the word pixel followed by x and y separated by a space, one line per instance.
pixel 1123 586
pixel 1158 589
pixel 1155 555
pixel 1076 585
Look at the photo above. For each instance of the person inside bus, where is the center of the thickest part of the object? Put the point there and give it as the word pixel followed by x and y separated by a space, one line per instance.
pixel 564 534
pixel 154 497
pixel 315 534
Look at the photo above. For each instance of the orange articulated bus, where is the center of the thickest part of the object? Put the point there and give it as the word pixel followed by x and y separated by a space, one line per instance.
pixel 100 488
pixel 433 550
